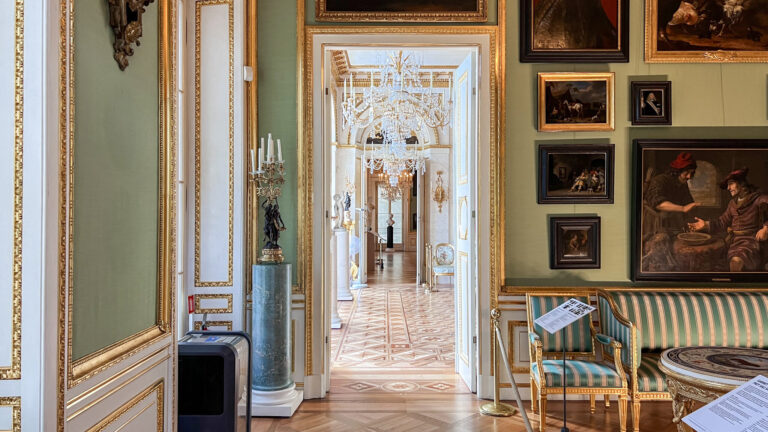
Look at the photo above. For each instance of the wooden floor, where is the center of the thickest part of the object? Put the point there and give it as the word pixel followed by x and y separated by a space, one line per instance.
pixel 389 412
pixel 406 396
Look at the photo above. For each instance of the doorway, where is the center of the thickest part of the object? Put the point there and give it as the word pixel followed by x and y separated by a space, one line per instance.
pixel 477 273
pixel 389 332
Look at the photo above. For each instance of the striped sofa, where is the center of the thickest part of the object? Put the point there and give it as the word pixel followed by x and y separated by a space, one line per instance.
pixel 648 322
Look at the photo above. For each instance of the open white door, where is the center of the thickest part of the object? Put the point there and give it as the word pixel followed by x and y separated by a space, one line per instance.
pixel 465 133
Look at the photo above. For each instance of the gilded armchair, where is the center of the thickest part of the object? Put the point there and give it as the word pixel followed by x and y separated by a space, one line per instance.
pixel 584 374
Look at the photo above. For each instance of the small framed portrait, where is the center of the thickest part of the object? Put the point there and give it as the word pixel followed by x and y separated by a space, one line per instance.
pixel 574 31
pixel 575 174
pixel 573 102
pixel 574 242
pixel 401 10
pixel 651 103
pixel 723 31
pixel 700 212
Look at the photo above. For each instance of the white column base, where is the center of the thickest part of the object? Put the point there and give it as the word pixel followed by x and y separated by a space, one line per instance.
pixel 335 320
pixel 280 403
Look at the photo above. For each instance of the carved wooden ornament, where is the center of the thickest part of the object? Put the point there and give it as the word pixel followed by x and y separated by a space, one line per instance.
pixel 125 20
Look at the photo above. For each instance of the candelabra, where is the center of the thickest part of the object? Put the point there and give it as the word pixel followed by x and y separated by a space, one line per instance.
pixel 268 178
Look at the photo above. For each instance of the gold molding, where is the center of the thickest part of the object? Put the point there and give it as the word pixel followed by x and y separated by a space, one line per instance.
pixel 13 371
pixel 227 324
pixel 478 15
pixel 199 4
pixel 463 229
pixel 652 54
pixel 305 149
pixel 71 373
pixel 157 388
pixel 251 143
pixel 200 297
pixel 511 324
pixel 512 290
pixel 15 404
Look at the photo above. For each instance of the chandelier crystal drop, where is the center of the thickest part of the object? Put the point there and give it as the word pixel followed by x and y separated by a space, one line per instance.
pixel 398 107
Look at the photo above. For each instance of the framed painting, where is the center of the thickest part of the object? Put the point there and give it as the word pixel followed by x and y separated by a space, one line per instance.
pixel 401 10
pixel 574 242
pixel 575 174
pixel 651 103
pixel 700 214
pixel 574 31
pixel 723 31
pixel 576 101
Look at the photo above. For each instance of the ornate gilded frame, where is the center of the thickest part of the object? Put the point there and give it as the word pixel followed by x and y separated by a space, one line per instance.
pixel 547 77
pixel 306 152
pixel 653 55
pixel 322 14
pixel 71 372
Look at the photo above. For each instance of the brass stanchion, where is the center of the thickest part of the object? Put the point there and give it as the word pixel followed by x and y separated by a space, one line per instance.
pixel 497 408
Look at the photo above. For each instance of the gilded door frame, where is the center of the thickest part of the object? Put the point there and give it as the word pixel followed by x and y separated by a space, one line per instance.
pixel 306 152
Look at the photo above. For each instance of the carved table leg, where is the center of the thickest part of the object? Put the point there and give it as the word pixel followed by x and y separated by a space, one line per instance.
pixel 681 406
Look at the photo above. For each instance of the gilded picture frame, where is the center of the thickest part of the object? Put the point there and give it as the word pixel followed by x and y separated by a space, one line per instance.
pixel 688 32
pixel 576 101
pixel 401 11
pixel 574 242
pixel 692 221
pixel 574 31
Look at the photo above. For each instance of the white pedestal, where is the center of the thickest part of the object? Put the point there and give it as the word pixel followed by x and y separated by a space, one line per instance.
pixel 335 318
pixel 342 264
pixel 280 403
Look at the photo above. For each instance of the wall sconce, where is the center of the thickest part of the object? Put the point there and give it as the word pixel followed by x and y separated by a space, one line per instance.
pixel 439 194
pixel 125 20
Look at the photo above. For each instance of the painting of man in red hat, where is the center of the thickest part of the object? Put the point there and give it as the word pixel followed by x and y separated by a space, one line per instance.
pixel 745 222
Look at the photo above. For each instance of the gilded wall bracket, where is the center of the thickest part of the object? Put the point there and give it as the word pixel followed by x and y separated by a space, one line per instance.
pixel 125 20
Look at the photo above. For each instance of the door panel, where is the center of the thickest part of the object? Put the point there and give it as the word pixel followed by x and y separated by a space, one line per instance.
pixel 464 160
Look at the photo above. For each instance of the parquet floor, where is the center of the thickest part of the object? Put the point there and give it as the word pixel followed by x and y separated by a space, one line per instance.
pixel 393 370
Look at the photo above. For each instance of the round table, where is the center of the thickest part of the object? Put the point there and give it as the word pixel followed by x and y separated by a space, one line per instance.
pixel 703 374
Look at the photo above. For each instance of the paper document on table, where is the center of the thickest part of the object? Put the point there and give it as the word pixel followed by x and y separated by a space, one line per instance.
pixel 744 409
pixel 563 315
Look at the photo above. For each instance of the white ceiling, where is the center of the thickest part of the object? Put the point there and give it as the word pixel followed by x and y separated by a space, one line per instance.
pixel 363 58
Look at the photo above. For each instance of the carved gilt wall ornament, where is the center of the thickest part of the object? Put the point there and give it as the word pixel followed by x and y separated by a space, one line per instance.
pixel 439 195
pixel 125 20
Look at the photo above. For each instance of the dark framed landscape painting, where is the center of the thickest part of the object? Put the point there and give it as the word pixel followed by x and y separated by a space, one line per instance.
pixel 402 10
pixel 576 174
pixel 717 31
pixel 651 102
pixel 574 242
pixel 700 210
pixel 574 31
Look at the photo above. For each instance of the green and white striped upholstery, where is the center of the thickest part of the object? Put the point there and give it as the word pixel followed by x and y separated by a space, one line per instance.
pixel 617 330
pixel 578 336
pixel 649 377
pixel 577 374
pixel 673 319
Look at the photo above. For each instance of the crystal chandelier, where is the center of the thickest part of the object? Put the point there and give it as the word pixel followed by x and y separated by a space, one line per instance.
pixel 397 186
pixel 397 107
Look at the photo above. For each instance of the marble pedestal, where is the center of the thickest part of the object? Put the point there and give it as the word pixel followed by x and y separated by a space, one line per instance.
pixel 341 237
pixel 273 392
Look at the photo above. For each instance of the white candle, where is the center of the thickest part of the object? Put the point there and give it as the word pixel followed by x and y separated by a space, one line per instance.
pixel 279 151
pixel 253 162
pixel 345 90
pixel 352 88
pixel 270 148
pixel 261 157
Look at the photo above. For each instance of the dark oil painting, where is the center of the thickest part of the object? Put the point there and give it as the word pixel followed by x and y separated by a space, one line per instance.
pixel 574 242
pixel 401 6
pixel 576 102
pixel 701 210
pixel 576 174
pixel 709 25
pixel 575 24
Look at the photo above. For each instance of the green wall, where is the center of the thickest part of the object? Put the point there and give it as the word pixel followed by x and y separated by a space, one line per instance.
pixel 709 100
pixel 116 142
